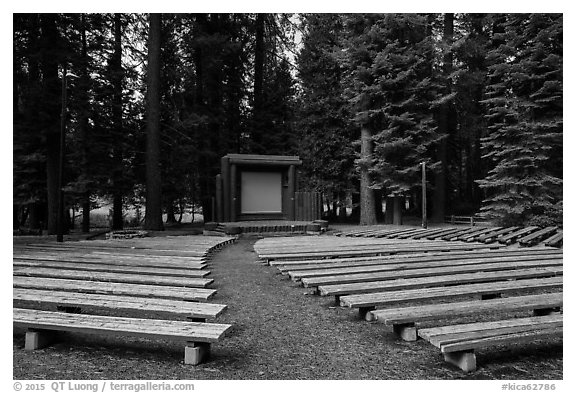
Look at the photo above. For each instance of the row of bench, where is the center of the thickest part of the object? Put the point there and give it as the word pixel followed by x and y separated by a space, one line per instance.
pixel 404 290
pixel 328 247
pixel 528 236
pixel 119 277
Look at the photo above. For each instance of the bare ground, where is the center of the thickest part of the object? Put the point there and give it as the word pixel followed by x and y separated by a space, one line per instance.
pixel 280 332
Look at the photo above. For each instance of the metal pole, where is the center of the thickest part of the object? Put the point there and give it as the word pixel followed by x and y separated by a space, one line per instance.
pixel 60 221
pixel 424 218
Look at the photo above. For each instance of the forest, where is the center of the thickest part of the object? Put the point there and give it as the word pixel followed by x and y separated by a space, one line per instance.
pixel 138 109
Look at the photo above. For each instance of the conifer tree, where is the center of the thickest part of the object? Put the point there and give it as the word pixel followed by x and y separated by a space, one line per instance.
pixel 524 113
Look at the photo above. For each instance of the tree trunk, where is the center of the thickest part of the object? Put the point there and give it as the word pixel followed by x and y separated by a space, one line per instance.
pixel 398 200
pixel 389 213
pixel 15 216
pixel 117 77
pixel 170 213
pixel 83 124
pixel 439 195
pixel 153 220
pixel 367 200
pixel 259 60
pixel 50 106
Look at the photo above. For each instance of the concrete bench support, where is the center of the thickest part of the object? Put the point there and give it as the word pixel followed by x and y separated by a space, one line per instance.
pixel 362 311
pixel 196 353
pixel 465 360
pixel 407 331
pixel 38 339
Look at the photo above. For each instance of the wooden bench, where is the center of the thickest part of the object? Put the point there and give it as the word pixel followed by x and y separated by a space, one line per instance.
pixel 492 236
pixel 115 288
pixel 369 301
pixel 512 237
pixel 436 281
pixel 473 235
pixel 101 249
pixel 111 268
pixel 403 320
pixel 414 264
pixel 113 277
pixel 430 232
pixel 42 327
pixel 115 260
pixel 535 237
pixel 196 311
pixel 425 272
pixel 458 342
pixel 554 241
pixel 383 250
pixel 441 234
pixel 311 264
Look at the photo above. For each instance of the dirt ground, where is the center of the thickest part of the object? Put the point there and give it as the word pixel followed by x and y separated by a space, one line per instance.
pixel 280 331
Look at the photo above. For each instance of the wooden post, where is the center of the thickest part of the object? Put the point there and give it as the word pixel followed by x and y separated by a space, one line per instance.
pixel 291 192
pixel 225 170
pixel 219 200
pixel 424 218
pixel 233 196
pixel 397 210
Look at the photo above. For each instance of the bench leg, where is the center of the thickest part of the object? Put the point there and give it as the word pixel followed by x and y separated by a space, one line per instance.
pixel 362 311
pixel 465 360
pixel 195 353
pixel 195 319
pixel 539 312
pixel 336 300
pixel 37 339
pixel 407 331
pixel 70 309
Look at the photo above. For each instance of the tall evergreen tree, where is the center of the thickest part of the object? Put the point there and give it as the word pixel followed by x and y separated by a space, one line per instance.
pixel 325 133
pixel 524 103
pixel 153 219
pixel 388 81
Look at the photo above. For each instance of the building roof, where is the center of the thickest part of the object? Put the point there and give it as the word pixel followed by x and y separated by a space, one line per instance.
pixel 263 159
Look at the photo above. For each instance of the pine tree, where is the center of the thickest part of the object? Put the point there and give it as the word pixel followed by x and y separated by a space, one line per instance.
pixel 388 82
pixel 524 104
pixel 324 131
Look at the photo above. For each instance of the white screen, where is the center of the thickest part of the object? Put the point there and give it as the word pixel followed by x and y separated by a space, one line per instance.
pixel 261 192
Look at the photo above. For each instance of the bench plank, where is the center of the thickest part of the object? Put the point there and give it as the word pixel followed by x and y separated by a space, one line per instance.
pixel 405 315
pixel 396 249
pixel 413 264
pixel 424 272
pixel 140 327
pixel 512 237
pixel 483 342
pixel 117 302
pixel 116 260
pixel 114 277
pixel 382 298
pixel 428 282
pixel 439 336
pixel 65 265
pixel 536 236
pixel 404 258
pixel 115 288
